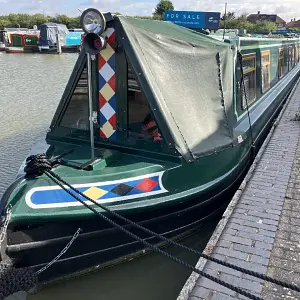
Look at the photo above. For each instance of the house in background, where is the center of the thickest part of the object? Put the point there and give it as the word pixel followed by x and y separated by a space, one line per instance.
pixel 293 24
pixel 280 23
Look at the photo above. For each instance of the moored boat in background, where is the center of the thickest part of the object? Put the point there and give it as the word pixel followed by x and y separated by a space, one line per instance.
pixel 157 123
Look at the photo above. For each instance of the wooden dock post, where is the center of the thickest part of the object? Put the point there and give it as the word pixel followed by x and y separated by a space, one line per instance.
pixel 58 45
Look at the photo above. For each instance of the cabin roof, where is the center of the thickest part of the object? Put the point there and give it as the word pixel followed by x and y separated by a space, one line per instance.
pixel 187 78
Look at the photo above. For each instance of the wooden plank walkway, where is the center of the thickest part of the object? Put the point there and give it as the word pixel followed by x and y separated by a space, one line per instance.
pixel 260 230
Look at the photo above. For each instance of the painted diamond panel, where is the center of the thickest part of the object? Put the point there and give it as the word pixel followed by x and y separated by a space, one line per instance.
pixel 108 52
pixel 102 192
pixel 107 90
pixel 106 72
pixel 147 185
pixel 107 130
pixel 95 193
pixel 107 111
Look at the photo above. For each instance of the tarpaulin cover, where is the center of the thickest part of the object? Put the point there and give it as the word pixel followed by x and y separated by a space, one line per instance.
pixel 48 32
pixel 191 79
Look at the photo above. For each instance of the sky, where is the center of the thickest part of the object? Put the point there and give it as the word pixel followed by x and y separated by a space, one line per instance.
pixel 286 9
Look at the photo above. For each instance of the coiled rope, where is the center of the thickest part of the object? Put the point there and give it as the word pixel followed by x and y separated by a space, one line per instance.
pixel 36 165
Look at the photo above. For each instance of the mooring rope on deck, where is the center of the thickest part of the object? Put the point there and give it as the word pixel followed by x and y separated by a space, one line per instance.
pixel 37 165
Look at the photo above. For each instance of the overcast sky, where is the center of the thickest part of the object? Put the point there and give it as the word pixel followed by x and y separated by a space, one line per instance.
pixel 286 9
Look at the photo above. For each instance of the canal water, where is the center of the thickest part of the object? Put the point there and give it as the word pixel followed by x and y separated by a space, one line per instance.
pixel 30 88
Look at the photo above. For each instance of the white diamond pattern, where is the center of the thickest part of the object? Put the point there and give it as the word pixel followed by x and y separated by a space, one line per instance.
pixel 109 32
pixel 106 72
pixel 107 111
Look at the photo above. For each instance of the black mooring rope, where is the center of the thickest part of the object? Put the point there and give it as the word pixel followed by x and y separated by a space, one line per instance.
pixel 40 161
pixel 154 248
pixel 218 261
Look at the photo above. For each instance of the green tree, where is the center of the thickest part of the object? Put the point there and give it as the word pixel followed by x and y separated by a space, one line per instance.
pixel 38 19
pixel 263 27
pixel 161 7
pixel 4 23
pixel 229 16
pixel 295 29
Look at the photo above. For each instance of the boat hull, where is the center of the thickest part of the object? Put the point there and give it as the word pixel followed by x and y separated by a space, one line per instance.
pixel 14 50
pixel 100 245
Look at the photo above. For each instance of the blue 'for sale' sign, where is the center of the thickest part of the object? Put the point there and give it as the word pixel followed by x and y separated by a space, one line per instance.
pixel 194 19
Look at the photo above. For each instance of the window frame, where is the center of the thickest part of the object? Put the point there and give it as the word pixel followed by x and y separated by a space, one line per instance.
pixel 290 57
pixel 249 102
pixel 281 58
pixel 264 64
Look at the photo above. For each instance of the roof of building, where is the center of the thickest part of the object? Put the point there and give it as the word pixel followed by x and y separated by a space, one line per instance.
pixel 293 23
pixel 262 17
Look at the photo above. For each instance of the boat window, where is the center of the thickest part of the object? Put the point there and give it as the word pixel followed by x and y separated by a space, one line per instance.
pixel 293 60
pixel 280 62
pixel 249 88
pixel 290 58
pixel 77 112
pixel 141 123
pixel 265 70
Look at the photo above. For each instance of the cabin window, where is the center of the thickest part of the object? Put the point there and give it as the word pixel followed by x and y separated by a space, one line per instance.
pixel 249 86
pixel 141 124
pixel 77 112
pixel 280 62
pixel 265 71
pixel 291 58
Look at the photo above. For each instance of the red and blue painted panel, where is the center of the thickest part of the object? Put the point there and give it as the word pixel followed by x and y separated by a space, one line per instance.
pixel 107 87
pixel 102 192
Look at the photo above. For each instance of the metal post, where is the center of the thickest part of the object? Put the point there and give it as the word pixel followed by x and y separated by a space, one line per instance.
pixel 225 15
pixel 58 44
pixel 89 70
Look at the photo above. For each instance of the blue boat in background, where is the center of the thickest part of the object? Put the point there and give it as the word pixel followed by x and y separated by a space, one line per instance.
pixel 70 41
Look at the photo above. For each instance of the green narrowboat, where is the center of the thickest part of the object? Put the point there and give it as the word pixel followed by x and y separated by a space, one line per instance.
pixel 157 123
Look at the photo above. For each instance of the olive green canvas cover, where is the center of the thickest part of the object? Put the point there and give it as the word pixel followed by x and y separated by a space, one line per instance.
pixel 187 78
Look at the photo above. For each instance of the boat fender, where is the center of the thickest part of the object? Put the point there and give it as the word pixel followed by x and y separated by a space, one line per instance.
pixel 13 280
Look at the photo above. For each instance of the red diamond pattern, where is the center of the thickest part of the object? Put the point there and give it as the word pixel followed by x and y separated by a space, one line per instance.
pixel 101 62
pixel 102 134
pixel 147 185
pixel 102 100
pixel 112 82
pixel 113 120
pixel 111 40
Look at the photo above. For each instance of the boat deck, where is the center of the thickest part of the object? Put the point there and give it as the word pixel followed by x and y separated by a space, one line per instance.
pixel 260 229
